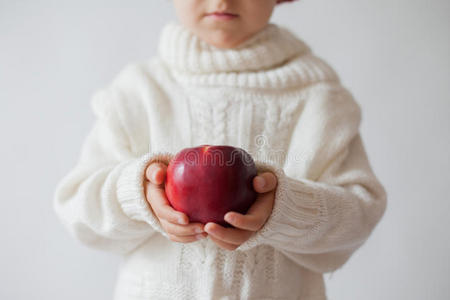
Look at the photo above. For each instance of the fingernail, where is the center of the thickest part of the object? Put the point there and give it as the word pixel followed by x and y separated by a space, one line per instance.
pixel 199 236
pixel 154 177
pixel 262 181
pixel 198 230
pixel 182 221
pixel 229 218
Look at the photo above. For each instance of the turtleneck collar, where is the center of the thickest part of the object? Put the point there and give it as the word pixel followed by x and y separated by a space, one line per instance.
pixel 267 59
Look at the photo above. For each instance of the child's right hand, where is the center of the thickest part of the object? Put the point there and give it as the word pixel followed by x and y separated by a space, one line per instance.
pixel 175 223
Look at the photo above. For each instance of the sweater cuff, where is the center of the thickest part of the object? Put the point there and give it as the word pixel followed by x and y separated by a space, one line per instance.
pixel 130 189
pixel 298 211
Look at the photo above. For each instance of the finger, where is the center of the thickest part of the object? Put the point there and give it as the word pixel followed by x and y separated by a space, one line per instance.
pixel 187 239
pixel 256 216
pixel 223 244
pixel 228 235
pixel 156 173
pixel 265 182
pixel 182 230
pixel 245 222
pixel 162 208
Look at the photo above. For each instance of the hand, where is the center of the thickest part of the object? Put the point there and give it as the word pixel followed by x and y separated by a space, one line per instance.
pixel 246 225
pixel 175 223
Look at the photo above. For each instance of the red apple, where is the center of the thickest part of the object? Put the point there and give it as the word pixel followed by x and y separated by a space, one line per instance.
pixel 206 182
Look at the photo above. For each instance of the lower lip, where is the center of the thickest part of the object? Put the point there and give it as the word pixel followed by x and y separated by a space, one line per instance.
pixel 222 16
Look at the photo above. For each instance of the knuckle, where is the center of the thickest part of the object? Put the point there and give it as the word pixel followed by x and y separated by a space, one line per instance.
pixel 169 230
pixel 240 221
pixel 173 218
pixel 176 231
pixel 197 230
pixel 218 235
pixel 158 213
pixel 186 230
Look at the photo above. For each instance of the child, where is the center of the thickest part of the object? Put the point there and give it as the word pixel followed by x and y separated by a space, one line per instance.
pixel 225 75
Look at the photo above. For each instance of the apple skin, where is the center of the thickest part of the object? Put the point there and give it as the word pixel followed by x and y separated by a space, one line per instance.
pixel 206 182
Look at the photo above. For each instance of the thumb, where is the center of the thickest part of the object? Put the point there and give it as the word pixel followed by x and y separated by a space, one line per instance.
pixel 265 182
pixel 156 173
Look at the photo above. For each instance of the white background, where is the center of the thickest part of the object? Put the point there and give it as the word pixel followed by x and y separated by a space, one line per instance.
pixel 393 55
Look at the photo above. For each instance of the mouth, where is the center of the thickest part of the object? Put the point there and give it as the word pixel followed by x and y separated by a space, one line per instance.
pixel 221 15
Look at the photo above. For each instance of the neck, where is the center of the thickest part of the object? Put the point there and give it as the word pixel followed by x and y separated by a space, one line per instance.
pixel 269 58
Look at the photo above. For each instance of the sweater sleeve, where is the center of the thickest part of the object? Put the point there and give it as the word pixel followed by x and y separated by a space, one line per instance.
pixel 319 222
pixel 101 200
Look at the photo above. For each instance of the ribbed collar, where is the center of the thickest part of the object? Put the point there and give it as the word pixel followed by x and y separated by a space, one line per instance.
pixel 267 59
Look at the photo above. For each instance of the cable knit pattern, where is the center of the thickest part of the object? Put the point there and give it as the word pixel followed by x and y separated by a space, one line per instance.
pixel 220 121
pixel 271 96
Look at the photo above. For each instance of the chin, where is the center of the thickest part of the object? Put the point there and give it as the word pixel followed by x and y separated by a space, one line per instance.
pixel 219 37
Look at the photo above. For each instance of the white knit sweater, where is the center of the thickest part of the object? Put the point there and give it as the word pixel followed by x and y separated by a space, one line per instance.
pixel 270 96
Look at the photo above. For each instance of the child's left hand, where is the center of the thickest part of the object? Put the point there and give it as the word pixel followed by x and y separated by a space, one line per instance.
pixel 245 225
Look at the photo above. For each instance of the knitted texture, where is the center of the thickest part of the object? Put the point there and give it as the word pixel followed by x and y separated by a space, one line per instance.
pixel 272 97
